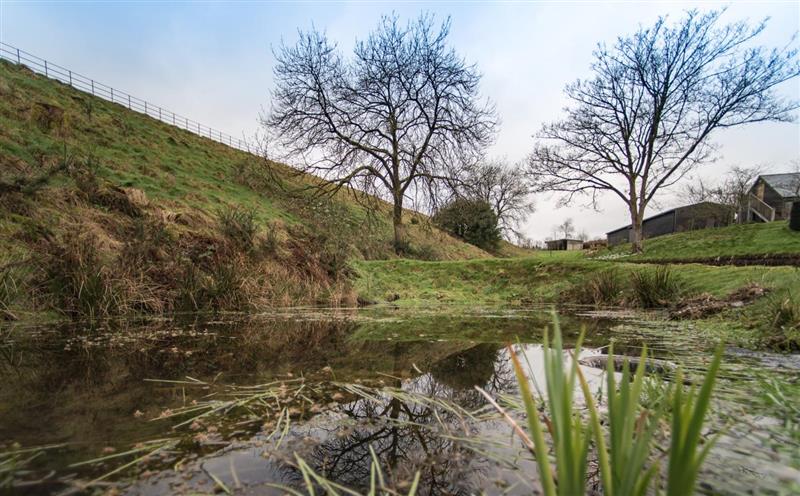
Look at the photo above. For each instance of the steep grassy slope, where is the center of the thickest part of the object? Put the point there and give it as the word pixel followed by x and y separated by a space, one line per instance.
pixel 120 200
pixel 745 240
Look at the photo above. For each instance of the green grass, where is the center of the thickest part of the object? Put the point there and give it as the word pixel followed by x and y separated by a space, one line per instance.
pixel 771 238
pixel 541 277
pixel 179 171
pixel 516 280
pixel 545 279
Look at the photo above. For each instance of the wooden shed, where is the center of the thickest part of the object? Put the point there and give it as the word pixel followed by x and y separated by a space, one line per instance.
pixel 771 197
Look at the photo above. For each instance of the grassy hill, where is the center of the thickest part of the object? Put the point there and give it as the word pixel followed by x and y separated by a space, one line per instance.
pixel 103 209
pixel 760 240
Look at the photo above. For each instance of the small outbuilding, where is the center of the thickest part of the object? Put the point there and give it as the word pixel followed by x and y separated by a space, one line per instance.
pixel 565 244
pixel 687 218
pixel 771 197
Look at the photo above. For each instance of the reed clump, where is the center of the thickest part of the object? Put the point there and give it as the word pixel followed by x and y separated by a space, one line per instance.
pixel 657 288
pixel 239 225
pixel 601 288
pixel 783 311
pixel 78 279
pixel 624 442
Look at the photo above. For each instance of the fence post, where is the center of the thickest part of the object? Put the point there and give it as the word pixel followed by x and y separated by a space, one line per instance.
pixel 129 102
pixel 187 123
pixel 19 60
pixel 45 69
pixel 173 118
pixel 159 113
pixel 112 95
pixel 145 107
pixel 70 78
pixel 92 87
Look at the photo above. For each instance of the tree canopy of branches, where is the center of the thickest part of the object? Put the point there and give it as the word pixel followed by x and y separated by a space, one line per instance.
pixel 644 119
pixel 731 191
pixel 397 119
pixel 505 188
pixel 474 221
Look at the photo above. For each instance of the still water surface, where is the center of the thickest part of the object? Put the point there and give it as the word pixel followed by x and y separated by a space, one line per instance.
pixel 342 389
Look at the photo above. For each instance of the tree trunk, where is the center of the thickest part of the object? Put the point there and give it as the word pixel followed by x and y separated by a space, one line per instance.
pixel 399 229
pixel 636 232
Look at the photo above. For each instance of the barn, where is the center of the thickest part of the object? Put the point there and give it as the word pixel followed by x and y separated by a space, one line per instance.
pixel 686 218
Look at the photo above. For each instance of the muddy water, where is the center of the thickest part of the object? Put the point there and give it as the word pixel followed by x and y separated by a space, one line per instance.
pixel 379 386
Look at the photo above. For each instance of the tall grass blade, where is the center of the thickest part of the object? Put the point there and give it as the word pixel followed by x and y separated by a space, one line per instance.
pixel 535 425
pixel 687 424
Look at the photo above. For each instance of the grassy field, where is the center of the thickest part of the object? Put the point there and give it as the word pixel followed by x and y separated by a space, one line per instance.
pixel 562 278
pixel 543 277
pixel 137 210
pixel 740 240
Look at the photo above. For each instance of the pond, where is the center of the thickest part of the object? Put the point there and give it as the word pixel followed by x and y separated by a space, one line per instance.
pixel 253 404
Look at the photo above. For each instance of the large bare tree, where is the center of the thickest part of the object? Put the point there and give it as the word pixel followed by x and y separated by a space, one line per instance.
pixel 505 188
pixel 398 118
pixel 644 119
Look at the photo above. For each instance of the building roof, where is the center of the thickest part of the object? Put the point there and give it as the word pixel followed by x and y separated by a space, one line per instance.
pixel 667 212
pixel 787 185
pixel 564 239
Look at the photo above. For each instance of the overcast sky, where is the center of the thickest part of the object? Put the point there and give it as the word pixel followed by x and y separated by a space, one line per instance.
pixel 213 62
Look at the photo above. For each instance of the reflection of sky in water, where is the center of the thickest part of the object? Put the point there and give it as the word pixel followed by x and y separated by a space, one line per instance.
pixel 86 385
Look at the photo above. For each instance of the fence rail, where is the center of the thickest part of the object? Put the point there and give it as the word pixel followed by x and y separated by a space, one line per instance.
pixel 88 85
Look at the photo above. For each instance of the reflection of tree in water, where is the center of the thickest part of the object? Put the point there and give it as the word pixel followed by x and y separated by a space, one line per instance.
pixel 407 436
pixel 485 365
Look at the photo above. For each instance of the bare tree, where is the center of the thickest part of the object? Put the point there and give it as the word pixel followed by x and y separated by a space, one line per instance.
pixel 397 119
pixel 732 191
pixel 567 228
pixel 505 188
pixel 644 120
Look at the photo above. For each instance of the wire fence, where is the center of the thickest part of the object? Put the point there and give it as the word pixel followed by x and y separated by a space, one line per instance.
pixel 88 85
